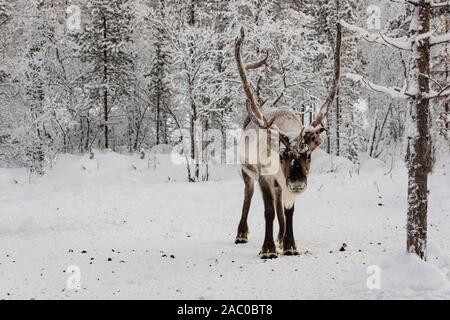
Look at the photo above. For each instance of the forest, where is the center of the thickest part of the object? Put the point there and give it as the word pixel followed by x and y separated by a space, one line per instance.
pixel 97 80
pixel 123 75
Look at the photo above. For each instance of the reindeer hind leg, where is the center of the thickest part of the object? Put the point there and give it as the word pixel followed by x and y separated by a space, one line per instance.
pixel 242 232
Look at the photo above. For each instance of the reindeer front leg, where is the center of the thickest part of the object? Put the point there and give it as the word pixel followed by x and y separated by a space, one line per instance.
pixel 289 247
pixel 268 250
pixel 280 215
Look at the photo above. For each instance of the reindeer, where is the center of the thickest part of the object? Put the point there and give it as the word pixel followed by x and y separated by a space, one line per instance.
pixel 292 159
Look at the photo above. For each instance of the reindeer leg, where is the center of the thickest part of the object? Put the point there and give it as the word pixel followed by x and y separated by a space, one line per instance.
pixel 268 250
pixel 289 247
pixel 280 215
pixel 242 233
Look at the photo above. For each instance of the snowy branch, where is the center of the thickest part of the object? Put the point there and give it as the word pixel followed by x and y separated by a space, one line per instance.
pixel 396 92
pixel 440 39
pixel 402 43
pixel 442 93
pixel 440 5
pixel 392 91
pixel 432 5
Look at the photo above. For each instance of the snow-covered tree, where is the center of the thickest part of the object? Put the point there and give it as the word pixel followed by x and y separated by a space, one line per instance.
pixel 104 46
pixel 159 86
pixel 418 94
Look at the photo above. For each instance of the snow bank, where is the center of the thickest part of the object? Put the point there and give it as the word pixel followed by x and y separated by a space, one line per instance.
pixel 407 273
pixel 401 275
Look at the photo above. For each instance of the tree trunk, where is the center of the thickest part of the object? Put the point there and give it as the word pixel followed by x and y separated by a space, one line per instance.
pixel 158 93
pixel 158 118
pixel 383 124
pixel 447 67
pixel 419 143
pixel 328 132
pixel 194 117
pixel 338 121
pixel 374 133
pixel 105 90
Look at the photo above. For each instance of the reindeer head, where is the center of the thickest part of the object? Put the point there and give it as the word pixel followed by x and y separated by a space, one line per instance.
pixel 295 158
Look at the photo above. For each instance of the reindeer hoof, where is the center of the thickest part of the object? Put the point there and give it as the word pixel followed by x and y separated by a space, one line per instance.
pixel 240 240
pixel 268 254
pixel 290 252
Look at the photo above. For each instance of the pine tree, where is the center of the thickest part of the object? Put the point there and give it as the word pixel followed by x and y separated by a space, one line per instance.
pixel 38 147
pixel 104 45
pixel 158 87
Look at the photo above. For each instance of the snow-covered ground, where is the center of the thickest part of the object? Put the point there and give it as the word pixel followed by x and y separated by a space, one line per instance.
pixel 136 229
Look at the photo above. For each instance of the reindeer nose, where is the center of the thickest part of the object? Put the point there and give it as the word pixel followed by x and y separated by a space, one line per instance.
pixel 296 186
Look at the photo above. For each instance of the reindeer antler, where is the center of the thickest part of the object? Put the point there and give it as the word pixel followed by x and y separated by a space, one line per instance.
pixel 337 72
pixel 253 109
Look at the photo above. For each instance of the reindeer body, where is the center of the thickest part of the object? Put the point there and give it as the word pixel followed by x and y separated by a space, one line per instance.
pixel 289 122
pixel 278 199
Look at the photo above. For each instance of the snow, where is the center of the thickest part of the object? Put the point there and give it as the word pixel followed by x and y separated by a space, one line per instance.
pixel 372 165
pixel 137 229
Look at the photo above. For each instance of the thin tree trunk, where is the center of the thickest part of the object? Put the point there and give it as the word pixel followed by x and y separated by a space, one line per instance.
pixel 194 149
pixel 328 132
pixel 383 124
pixel 338 111
pixel 105 90
pixel 338 121
pixel 194 117
pixel 158 120
pixel 374 133
pixel 158 94
pixel 447 67
pixel 88 133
